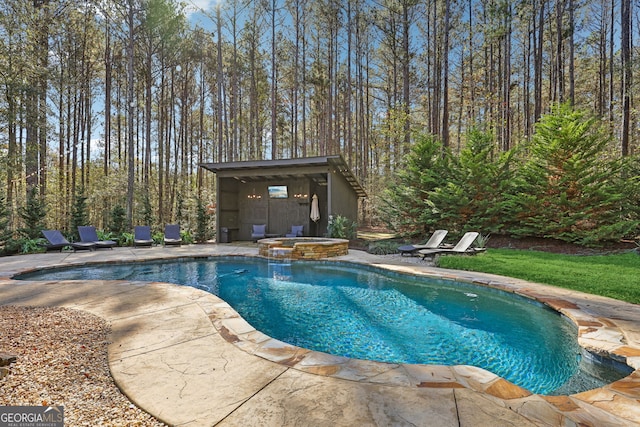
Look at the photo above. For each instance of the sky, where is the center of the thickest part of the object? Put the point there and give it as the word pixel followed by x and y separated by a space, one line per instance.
pixel 197 11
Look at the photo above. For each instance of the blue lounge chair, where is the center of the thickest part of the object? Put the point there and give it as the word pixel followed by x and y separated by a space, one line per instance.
pixel 258 231
pixel 172 235
pixel 88 234
pixel 142 236
pixel 57 242
pixel 296 231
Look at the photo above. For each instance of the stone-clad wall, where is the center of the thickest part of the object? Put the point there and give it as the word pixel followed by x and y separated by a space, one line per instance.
pixel 302 248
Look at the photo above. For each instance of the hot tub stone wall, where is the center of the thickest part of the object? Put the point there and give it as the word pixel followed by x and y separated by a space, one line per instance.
pixel 302 248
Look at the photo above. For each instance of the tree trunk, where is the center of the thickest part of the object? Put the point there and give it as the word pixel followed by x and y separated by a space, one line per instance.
pixel 274 84
pixel 130 114
pixel 571 41
pixel 445 78
pixel 219 79
pixel 559 92
pixel 625 6
pixel 538 48
pixel 107 100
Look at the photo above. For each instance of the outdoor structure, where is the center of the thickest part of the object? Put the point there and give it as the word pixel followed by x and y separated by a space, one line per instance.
pixel 279 193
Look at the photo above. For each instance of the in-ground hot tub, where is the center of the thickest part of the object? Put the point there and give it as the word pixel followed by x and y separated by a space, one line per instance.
pixel 302 247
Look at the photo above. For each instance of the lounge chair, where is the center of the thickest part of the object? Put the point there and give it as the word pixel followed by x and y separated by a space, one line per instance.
pixel 462 247
pixel 296 231
pixel 57 242
pixel 88 234
pixel 258 231
pixel 433 243
pixel 172 235
pixel 142 236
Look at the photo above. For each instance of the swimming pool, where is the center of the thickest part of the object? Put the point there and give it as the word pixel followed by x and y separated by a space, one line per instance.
pixel 368 313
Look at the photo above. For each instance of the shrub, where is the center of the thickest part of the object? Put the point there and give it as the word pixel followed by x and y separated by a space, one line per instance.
pixel 29 246
pixel 186 237
pixel 474 197
pixel 568 188
pixel 341 227
pixel 33 214
pixel 78 214
pixel 563 184
pixel 202 223
pixel 126 239
pixel 5 232
pixel 405 205
pixel 107 235
pixel 117 220
pixel 147 210
pixel 158 238
pixel 439 190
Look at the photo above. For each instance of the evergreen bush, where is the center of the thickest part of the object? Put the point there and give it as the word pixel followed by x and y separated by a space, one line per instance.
pixel 5 232
pixel 475 194
pixel 438 190
pixel 568 188
pixel 117 220
pixel 405 205
pixel 33 214
pixel 563 184
pixel 79 214
pixel 147 210
pixel 202 222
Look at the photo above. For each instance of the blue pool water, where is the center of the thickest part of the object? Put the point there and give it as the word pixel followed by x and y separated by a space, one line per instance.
pixel 368 313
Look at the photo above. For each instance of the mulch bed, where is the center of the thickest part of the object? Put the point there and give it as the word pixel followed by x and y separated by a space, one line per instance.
pixel 532 243
pixel 556 246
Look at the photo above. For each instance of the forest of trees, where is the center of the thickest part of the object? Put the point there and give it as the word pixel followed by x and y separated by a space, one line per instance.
pixel 116 102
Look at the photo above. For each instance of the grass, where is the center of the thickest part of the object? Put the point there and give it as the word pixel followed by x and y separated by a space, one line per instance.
pixel 615 276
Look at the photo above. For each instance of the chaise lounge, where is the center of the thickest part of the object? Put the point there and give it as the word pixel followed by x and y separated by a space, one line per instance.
pixel 258 231
pixel 462 247
pixel 88 234
pixel 434 242
pixel 142 236
pixel 57 242
pixel 172 235
pixel 296 231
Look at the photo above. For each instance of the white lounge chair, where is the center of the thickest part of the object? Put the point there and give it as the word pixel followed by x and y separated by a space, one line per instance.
pixel 434 242
pixel 462 247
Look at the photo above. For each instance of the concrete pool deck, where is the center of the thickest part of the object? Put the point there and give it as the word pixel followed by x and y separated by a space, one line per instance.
pixel 187 358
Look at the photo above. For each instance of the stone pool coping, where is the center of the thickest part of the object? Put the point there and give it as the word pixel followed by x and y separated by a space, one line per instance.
pixel 605 325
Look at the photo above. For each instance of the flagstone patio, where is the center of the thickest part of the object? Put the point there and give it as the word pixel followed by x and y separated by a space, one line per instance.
pixel 188 358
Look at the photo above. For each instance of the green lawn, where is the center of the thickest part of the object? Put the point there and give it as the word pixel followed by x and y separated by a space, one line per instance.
pixel 615 276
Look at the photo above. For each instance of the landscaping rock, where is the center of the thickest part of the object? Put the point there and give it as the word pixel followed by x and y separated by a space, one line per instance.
pixel 6 359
